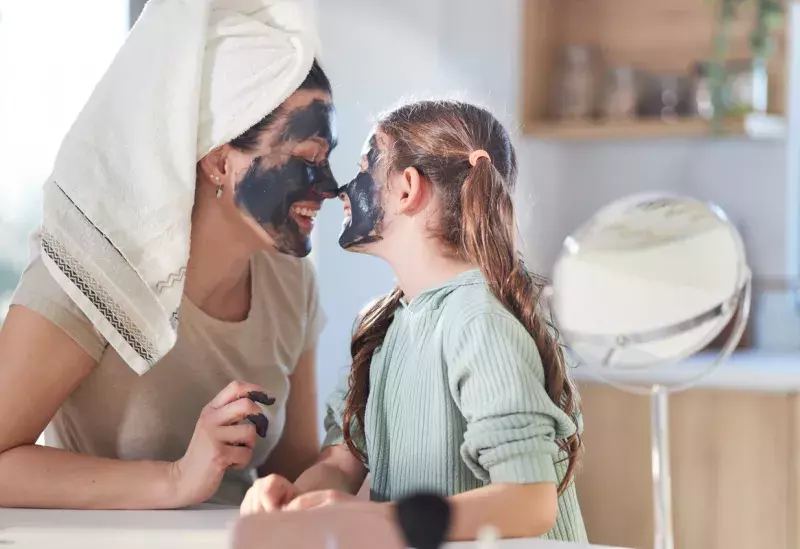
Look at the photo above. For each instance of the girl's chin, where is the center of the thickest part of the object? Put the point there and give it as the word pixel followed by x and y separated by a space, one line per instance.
pixel 359 246
pixel 357 242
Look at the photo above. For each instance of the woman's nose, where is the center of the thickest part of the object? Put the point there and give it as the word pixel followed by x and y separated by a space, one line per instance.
pixel 327 188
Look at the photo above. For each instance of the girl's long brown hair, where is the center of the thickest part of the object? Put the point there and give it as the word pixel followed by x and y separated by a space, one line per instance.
pixel 477 225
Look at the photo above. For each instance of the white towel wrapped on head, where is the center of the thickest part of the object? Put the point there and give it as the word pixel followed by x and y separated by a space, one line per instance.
pixel 192 75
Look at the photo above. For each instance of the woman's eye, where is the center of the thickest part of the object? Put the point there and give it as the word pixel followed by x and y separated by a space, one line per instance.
pixel 309 153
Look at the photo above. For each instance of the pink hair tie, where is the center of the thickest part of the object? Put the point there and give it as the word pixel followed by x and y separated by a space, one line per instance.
pixel 477 155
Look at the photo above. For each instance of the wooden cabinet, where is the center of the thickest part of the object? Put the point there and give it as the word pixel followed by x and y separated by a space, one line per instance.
pixel 659 36
pixel 735 459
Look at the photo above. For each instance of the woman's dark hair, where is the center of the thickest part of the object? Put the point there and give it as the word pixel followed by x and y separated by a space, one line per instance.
pixel 316 80
pixel 477 225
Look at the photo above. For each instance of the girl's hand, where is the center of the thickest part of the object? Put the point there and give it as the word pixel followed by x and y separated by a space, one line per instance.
pixel 321 498
pixel 267 495
pixel 219 442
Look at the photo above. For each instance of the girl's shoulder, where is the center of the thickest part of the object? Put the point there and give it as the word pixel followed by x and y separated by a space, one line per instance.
pixel 470 302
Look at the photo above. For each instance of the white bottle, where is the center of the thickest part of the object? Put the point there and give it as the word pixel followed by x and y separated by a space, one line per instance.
pixel 487 537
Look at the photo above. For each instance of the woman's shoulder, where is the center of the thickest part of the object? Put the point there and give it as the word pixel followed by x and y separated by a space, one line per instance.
pixel 39 292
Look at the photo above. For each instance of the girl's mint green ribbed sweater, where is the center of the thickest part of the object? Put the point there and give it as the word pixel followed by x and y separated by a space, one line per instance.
pixel 457 401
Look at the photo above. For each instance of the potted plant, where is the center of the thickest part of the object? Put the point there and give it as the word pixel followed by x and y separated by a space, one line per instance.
pixel 769 16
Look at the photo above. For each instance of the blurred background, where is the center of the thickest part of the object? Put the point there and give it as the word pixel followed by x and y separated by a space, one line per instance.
pixel 605 97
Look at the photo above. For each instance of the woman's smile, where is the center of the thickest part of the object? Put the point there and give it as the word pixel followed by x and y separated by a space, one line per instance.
pixel 304 213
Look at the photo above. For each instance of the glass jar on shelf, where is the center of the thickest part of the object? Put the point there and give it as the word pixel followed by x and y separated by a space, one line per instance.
pixel 577 92
pixel 622 93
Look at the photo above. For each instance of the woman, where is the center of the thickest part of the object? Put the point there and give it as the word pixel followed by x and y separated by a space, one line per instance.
pixel 457 385
pixel 129 213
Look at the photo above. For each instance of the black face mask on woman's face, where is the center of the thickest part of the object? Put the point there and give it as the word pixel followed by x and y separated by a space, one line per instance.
pixel 276 196
pixel 366 210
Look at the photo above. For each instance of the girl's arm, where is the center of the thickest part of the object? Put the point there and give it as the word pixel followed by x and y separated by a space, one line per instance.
pixel 336 469
pixel 497 380
pixel 515 510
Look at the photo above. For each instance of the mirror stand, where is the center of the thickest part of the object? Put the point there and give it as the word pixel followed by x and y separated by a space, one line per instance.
pixel 659 455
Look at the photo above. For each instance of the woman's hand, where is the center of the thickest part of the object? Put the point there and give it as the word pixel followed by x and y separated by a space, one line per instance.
pixel 268 494
pixel 218 442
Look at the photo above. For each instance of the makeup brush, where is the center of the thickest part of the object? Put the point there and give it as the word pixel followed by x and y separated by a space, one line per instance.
pixel 424 520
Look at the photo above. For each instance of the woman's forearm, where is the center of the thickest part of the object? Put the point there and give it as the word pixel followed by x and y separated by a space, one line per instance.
pixel 41 477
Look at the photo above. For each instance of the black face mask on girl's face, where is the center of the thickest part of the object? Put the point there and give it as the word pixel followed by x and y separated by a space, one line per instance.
pixel 267 194
pixel 366 211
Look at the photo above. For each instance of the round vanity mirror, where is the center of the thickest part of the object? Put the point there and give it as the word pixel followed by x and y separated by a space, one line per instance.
pixel 648 281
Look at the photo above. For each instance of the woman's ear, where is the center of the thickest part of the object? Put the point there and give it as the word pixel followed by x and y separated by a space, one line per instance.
pixel 213 166
pixel 414 190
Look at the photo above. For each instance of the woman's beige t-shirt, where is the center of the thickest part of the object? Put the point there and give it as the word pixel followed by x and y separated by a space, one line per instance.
pixel 118 414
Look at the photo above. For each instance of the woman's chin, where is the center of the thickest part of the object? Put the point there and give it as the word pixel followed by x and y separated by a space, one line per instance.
pixel 288 240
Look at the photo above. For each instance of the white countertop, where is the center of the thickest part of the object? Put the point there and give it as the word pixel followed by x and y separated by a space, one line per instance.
pixel 747 370
pixel 200 528
pixel 203 527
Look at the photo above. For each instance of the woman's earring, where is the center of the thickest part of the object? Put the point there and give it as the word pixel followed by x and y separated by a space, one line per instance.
pixel 219 185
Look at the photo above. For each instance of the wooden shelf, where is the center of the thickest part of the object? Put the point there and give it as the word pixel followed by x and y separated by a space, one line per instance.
pixel 752 127
pixel 659 37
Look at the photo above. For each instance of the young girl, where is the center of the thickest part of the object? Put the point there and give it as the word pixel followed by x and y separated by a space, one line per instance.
pixel 457 385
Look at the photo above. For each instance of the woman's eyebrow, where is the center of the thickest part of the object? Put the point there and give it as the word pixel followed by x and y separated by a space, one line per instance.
pixel 313 120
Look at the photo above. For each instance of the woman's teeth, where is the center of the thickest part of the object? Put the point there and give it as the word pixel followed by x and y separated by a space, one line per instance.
pixel 308 212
